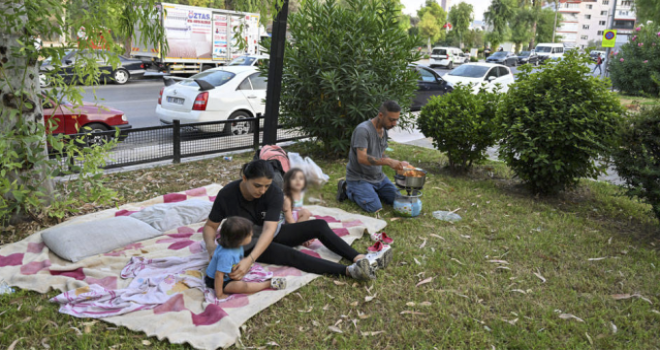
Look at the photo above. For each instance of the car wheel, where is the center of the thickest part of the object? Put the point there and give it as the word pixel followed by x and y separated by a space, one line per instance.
pixel 238 127
pixel 121 76
pixel 95 140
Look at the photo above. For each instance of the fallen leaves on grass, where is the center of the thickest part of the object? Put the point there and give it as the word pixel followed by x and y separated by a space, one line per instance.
pixel 456 260
pixel 498 262
pixel 44 343
pixel 354 304
pixel 410 303
pixel 425 303
pixel 408 312
pixel 272 343
pixel 519 291
pixel 13 345
pixel 540 277
pixel 628 296
pixel 368 334
pixel 78 332
pixel 306 311
pixel 146 343
pixel 362 315
pixel 335 329
pixel 339 283
pixel 417 261
pixel 570 316
pixel 88 326
pixel 589 338
pixel 437 236
pixel 614 328
pixel 369 298
pixel 423 244
pixel 597 259
pixel 428 280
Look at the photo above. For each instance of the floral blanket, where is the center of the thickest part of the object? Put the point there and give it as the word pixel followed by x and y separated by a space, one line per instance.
pixel 155 286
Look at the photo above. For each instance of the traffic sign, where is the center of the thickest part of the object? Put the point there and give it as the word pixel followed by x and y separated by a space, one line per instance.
pixel 609 38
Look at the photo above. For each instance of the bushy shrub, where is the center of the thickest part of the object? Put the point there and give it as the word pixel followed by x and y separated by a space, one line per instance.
pixel 637 159
pixel 556 122
pixel 348 58
pixel 474 59
pixel 462 124
pixel 637 62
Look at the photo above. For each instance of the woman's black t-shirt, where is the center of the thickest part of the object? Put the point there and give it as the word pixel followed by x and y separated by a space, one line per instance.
pixel 230 202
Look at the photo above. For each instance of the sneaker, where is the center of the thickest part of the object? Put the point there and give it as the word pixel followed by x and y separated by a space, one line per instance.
pixel 341 191
pixel 362 270
pixel 382 237
pixel 380 258
pixel 378 246
pixel 278 283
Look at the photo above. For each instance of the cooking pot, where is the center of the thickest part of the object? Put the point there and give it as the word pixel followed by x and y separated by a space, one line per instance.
pixel 412 178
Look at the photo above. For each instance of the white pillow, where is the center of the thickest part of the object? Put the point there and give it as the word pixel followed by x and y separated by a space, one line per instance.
pixel 76 242
pixel 168 216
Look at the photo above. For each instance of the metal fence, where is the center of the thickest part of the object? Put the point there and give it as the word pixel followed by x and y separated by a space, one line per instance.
pixel 177 141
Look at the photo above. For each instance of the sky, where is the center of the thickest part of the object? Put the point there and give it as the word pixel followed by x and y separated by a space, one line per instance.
pixel 480 6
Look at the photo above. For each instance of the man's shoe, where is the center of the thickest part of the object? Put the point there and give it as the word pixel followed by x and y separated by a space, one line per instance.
pixel 362 270
pixel 341 191
pixel 380 255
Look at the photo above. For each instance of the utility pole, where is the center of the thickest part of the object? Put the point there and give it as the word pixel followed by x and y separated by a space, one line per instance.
pixel 554 28
pixel 609 49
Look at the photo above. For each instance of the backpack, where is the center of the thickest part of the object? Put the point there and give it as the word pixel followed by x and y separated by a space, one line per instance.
pixel 278 160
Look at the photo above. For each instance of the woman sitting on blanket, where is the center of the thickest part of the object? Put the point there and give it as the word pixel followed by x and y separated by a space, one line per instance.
pixel 234 233
pixel 255 199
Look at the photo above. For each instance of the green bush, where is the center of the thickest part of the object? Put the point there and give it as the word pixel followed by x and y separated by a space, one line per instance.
pixel 348 58
pixel 474 59
pixel 462 124
pixel 637 160
pixel 634 66
pixel 556 122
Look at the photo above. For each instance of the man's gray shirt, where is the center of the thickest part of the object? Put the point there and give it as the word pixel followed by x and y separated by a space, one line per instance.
pixel 366 136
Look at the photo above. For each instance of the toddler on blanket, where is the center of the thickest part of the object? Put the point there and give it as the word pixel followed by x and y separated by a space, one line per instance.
pixel 235 232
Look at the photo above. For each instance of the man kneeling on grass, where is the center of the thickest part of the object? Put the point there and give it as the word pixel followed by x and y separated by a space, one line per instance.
pixel 366 184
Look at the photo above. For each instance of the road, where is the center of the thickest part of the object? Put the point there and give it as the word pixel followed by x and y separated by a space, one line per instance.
pixel 138 98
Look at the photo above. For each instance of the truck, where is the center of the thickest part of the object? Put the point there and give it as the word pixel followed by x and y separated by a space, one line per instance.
pixel 198 38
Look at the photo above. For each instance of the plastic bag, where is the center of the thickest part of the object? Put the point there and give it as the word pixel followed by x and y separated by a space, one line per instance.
pixel 446 216
pixel 313 172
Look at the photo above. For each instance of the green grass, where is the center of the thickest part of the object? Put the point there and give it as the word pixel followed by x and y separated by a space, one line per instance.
pixel 631 102
pixel 469 304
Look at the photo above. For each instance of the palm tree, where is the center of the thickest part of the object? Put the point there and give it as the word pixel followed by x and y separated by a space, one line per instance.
pixel 499 14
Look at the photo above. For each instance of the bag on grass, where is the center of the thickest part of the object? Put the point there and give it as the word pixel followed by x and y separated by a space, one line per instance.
pixel 313 172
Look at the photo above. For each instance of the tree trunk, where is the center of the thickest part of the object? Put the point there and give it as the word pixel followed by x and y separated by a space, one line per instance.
pixel 531 42
pixel 21 74
pixel 428 46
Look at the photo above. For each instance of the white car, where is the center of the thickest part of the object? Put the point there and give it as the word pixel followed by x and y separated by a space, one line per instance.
pixel 229 92
pixel 478 73
pixel 446 57
pixel 249 60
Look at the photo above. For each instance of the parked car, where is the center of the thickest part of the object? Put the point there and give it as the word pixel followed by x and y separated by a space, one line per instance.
pixel 128 68
pixel 429 84
pixel 446 56
pixel 528 57
pixel 89 117
pixel 229 92
pixel 549 51
pixel 506 58
pixel 479 73
pixel 249 60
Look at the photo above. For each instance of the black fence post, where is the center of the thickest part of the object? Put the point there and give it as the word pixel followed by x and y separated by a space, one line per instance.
pixel 276 64
pixel 256 130
pixel 176 141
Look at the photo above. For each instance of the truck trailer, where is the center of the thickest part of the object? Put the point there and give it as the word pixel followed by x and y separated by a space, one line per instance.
pixel 199 38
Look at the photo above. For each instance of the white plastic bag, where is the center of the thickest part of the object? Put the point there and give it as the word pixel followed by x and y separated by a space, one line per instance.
pixel 313 172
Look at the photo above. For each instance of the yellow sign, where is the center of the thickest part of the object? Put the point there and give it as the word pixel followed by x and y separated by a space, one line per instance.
pixel 609 38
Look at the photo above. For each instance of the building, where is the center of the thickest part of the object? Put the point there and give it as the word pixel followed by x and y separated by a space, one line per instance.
pixel 446 5
pixel 584 21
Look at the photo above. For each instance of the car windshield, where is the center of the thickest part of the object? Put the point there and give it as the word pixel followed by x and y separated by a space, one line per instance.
pixel 524 54
pixel 469 71
pixel 242 61
pixel 546 49
pixel 439 52
pixel 499 54
pixel 215 78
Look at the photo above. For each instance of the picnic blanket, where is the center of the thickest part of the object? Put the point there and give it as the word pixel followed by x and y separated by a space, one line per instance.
pixel 187 313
